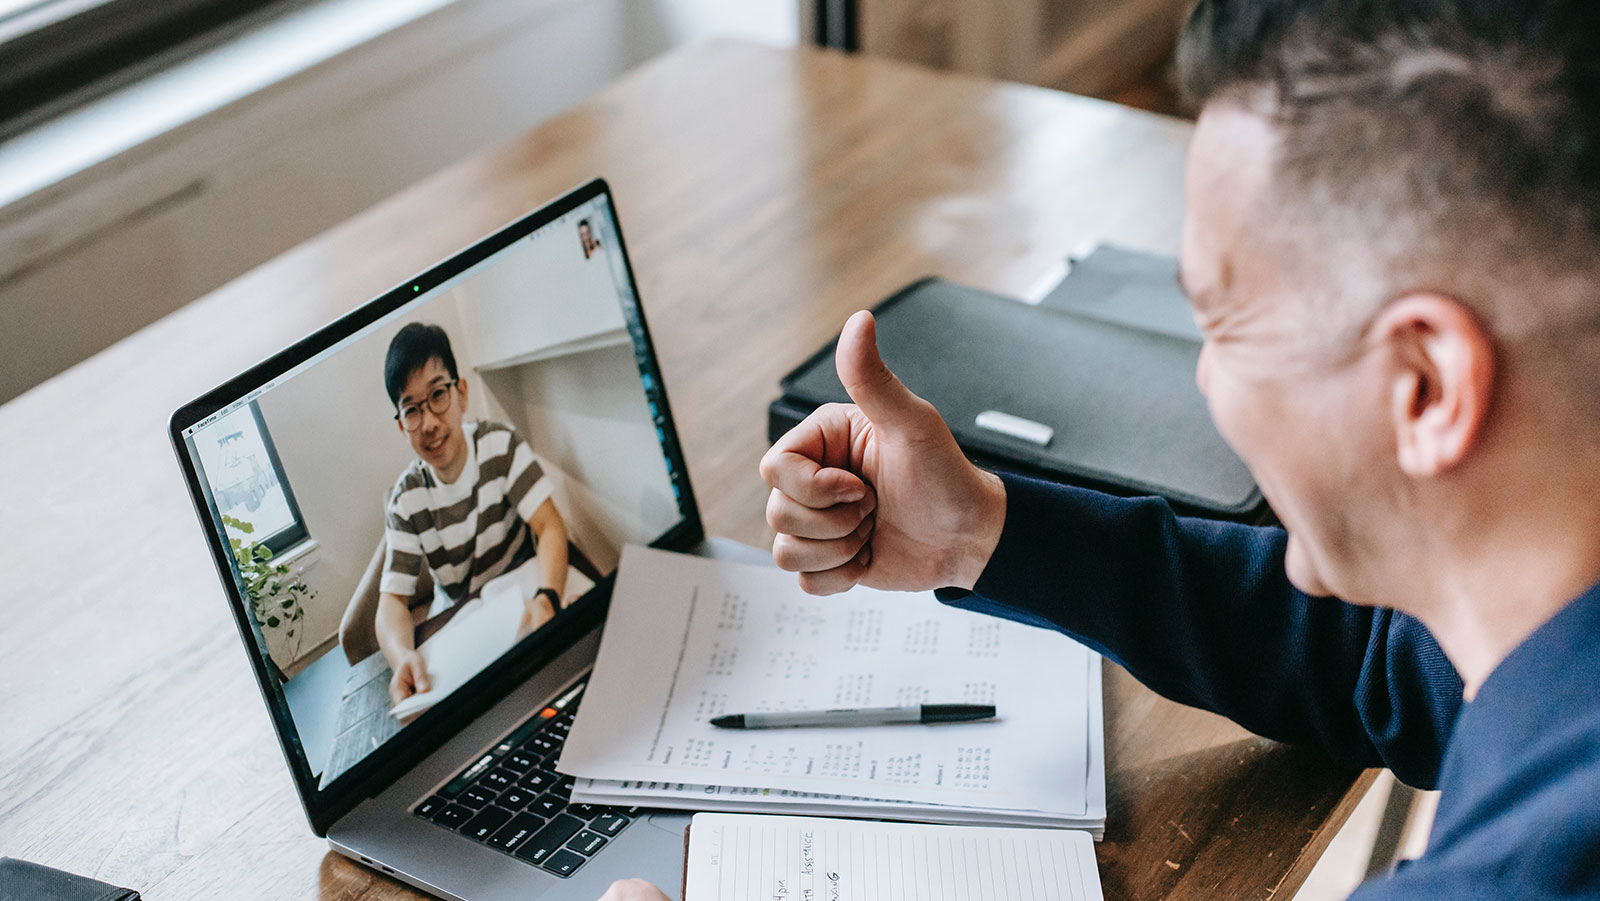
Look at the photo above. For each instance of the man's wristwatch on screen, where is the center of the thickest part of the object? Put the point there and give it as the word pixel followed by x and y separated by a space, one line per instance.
pixel 552 594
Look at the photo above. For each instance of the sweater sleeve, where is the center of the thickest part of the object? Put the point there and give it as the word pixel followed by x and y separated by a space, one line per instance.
pixel 1203 613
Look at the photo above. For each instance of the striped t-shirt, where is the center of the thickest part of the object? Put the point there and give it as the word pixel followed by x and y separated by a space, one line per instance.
pixel 471 530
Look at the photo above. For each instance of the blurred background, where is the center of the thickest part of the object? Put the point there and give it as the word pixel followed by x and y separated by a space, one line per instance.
pixel 152 150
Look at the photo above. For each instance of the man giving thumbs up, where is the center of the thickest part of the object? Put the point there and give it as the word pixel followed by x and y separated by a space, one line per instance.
pixel 878 493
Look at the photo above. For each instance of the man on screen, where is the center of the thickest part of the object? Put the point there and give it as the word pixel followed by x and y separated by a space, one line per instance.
pixel 587 238
pixel 473 505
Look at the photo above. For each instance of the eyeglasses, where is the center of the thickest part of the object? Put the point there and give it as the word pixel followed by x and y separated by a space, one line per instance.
pixel 437 402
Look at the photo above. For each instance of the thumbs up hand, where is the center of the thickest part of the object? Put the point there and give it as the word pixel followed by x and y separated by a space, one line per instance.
pixel 877 492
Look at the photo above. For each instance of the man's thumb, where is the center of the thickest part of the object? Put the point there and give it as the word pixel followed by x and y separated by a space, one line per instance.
pixel 870 384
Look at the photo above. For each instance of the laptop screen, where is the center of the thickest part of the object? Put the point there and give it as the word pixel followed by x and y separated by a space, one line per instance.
pixel 428 492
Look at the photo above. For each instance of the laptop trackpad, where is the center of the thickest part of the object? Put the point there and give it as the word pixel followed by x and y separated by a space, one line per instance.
pixel 674 823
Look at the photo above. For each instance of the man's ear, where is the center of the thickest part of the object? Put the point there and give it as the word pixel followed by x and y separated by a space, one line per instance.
pixel 461 385
pixel 1441 382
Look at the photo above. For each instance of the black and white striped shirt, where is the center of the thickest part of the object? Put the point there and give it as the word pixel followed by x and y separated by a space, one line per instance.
pixel 471 530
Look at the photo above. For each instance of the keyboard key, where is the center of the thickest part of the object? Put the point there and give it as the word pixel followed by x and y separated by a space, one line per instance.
pixel 486 823
pixel 431 806
pixel 465 777
pixel 586 811
pixel 515 798
pixel 564 863
pixel 499 778
pixel 587 843
pixel 564 787
pixel 475 797
pixel 632 811
pixel 547 805
pixel 519 761
pixel 544 743
pixel 609 823
pixel 522 733
pixel 545 842
pixel 453 816
pixel 538 781
pixel 513 834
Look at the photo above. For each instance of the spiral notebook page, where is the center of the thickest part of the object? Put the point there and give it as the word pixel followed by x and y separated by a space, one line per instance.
pixel 736 857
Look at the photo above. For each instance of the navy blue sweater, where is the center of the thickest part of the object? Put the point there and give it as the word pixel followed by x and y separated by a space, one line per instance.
pixel 1203 613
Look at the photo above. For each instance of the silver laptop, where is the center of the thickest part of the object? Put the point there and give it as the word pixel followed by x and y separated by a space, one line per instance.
pixel 416 513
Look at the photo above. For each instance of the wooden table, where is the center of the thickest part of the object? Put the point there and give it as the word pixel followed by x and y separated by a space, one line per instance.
pixel 766 195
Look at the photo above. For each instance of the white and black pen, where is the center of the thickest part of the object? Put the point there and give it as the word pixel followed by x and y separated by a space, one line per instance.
pixel 864 716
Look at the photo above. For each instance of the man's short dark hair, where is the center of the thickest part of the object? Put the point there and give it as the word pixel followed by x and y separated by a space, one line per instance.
pixel 1461 138
pixel 410 350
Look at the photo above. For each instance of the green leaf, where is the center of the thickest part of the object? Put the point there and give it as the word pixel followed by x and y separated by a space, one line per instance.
pixel 272 622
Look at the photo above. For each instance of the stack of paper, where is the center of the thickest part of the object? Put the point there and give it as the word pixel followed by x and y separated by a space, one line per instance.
pixel 688 639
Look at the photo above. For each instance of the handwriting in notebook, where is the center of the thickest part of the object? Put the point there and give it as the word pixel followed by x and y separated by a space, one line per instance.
pixel 738 857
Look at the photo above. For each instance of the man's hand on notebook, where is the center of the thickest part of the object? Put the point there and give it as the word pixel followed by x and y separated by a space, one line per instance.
pixel 877 492
pixel 410 676
pixel 633 890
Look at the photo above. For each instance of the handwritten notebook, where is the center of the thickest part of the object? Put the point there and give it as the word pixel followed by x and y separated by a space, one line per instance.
pixel 737 857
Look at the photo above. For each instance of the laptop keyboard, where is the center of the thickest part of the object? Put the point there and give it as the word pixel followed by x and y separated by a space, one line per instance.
pixel 512 799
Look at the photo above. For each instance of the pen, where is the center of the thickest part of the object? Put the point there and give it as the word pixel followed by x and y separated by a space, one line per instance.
pixel 865 716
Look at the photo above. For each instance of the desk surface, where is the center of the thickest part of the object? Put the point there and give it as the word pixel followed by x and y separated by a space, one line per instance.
pixel 766 194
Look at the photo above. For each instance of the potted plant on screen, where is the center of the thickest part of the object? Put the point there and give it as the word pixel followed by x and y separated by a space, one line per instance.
pixel 277 594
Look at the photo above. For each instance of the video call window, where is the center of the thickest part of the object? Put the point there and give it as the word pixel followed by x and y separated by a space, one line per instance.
pixel 445 482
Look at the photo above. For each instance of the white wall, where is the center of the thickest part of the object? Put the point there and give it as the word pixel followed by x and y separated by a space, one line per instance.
pixel 542 296
pixel 550 345
pixel 587 415
pixel 660 24
pixel 92 259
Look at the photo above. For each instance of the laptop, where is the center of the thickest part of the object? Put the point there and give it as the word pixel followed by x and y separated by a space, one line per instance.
pixel 375 508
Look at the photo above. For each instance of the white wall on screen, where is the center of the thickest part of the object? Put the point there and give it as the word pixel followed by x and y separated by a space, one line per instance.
pixel 590 418
pixel 543 295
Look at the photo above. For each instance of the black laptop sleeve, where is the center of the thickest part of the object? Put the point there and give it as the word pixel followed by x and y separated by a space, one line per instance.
pixel 1107 360
pixel 24 881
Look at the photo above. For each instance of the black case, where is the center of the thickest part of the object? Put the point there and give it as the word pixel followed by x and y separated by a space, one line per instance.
pixel 1107 360
pixel 24 881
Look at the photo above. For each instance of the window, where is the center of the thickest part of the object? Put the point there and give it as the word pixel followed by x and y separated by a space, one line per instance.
pixel 54 53
pixel 245 480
